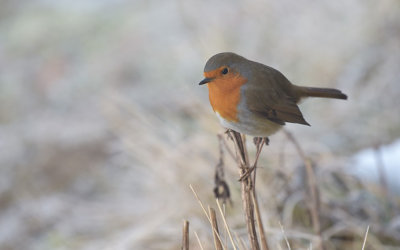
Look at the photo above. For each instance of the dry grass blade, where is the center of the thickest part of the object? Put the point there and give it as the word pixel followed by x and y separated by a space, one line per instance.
pixel 240 241
pixel 214 224
pixel 185 237
pixel 205 212
pixel 365 238
pixel 201 203
pixel 198 240
pixel 284 236
pixel 226 225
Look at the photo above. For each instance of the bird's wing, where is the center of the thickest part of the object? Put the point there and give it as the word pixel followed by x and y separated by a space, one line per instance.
pixel 271 97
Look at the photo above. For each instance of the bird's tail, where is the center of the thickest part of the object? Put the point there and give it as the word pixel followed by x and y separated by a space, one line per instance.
pixel 320 92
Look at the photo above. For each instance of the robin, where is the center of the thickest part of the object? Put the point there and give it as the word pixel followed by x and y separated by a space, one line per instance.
pixel 255 99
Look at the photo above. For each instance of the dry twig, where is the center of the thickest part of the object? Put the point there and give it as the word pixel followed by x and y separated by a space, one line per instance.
pixel 247 188
pixel 185 237
pixel 263 238
pixel 214 224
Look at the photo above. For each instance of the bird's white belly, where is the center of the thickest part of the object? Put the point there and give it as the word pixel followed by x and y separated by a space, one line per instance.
pixel 250 125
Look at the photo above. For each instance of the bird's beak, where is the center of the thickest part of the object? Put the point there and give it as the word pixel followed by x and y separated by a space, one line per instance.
pixel 206 80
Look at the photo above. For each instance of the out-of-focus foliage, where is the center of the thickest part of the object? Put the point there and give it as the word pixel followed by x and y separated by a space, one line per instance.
pixel 103 125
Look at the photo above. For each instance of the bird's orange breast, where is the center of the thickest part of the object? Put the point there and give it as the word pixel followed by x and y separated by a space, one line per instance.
pixel 224 94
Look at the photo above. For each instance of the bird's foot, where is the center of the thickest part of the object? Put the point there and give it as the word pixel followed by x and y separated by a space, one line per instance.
pixel 228 133
pixel 258 140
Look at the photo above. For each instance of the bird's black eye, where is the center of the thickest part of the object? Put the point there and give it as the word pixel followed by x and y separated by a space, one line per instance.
pixel 224 71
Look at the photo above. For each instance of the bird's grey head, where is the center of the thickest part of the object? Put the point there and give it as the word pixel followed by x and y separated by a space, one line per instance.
pixel 227 59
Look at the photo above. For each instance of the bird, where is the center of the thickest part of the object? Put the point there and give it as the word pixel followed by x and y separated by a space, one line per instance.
pixel 254 99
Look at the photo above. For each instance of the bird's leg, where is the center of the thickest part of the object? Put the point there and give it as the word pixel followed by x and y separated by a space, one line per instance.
pixel 228 132
pixel 259 142
pixel 266 140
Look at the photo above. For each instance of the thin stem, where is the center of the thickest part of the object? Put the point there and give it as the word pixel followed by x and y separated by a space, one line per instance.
pixel 263 238
pixel 185 235
pixel 264 245
pixel 214 224
pixel 247 189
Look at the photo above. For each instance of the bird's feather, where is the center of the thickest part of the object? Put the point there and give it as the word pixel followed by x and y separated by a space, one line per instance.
pixel 272 97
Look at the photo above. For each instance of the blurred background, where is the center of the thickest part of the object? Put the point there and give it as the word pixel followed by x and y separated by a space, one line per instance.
pixel 103 126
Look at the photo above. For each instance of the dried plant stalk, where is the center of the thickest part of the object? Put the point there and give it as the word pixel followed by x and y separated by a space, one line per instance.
pixel 247 188
pixel 259 142
pixel 263 238
pixel 185 235
pixel 214 224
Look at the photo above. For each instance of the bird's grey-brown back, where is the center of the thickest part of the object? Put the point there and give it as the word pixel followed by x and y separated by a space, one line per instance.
pixel 269 94
pixel 269 78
